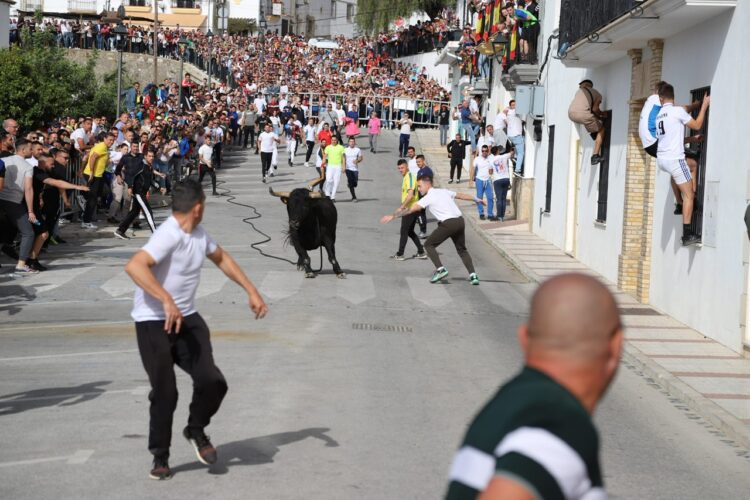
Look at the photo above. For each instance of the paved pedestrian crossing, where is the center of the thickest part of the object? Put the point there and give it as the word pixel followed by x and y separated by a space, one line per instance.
pixel 82 282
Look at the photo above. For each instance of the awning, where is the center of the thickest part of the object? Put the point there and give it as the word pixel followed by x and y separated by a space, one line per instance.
pixel 186 21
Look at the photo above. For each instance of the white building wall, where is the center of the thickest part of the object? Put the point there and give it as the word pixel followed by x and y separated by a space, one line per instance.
pixel 703 286
pixel 439 73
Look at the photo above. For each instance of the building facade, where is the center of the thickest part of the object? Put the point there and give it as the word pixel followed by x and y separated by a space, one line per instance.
pixel 617 217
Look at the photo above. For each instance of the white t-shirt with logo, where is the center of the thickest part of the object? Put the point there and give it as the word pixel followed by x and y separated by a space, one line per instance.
pixel 179 257
pixel 647 121
pixel 350 157
pixel 267 141
pixel 501 169
pixel 670 130
pixel 440 204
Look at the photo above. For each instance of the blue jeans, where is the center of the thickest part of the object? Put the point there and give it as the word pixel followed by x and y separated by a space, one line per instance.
pixel 472 130
pixel 444 134
pixel 517 141
pixel 403 144
pixel 485 188
pixel 501 194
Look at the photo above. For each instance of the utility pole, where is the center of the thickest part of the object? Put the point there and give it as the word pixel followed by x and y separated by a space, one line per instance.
pixel 156 43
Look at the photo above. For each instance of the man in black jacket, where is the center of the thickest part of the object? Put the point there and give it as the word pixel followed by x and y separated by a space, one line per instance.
pixel 457 153
pixel 139 181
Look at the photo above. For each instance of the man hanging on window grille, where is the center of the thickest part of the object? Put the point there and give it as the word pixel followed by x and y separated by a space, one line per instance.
pixel 670 155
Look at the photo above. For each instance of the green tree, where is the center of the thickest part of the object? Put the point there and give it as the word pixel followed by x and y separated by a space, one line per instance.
pixel 373 15
pixel 39 84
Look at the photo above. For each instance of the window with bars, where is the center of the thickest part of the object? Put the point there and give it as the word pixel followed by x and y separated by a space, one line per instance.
pixel 550 156
pixel 601 211
pixel 698 150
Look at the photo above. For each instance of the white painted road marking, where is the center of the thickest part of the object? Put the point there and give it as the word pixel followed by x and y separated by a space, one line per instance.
pixel 356 289
pixel 281 284
pixel 432 294
pixel 53 279
pixel 119 284
pixel 68 355
pixel 77 458
pixel 506 296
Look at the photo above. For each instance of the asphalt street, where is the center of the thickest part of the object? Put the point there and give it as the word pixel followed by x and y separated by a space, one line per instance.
pixel 354 388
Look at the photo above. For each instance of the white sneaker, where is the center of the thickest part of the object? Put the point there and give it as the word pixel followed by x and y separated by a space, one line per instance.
pixel 307 163
pixel 89 225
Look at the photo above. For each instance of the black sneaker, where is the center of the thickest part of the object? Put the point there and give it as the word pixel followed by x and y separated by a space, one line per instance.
pixel 595 159
pixel 161 470
pixel 204 450
pixel 690 239
pixel 120 235
pixel 482 217
pixel 136 225
pixel 34 264
pixel 678 208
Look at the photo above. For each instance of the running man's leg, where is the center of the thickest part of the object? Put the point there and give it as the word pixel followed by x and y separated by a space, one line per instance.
pixel 480 188
pixel 439 235
pixel 194 355
pixel 155 347
pixel 147 212
pixel 335 178
pixel 457 227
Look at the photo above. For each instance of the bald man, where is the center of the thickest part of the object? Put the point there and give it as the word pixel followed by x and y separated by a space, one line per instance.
pixel 535 438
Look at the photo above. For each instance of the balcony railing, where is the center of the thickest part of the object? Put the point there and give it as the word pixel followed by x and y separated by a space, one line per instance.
pixel 580 18
pixel 82 5
pixel 138 3
pixel 186 4
pixel 31 5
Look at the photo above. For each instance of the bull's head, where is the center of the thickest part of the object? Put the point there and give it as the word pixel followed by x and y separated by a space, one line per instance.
pixel 297 204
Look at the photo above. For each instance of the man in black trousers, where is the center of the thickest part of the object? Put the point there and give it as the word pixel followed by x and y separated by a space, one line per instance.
pixel 171 331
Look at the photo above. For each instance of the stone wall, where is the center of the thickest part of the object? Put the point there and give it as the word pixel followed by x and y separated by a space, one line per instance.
pixel 137 67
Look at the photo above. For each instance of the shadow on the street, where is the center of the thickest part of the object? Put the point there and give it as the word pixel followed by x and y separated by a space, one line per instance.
pixel 53 396
pixel 257 450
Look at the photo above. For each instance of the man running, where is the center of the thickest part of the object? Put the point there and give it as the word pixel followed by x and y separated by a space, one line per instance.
pixel 450 225
pixel 267 141
pixel 353 157
pixel 171 331
pixel 333 161
pixel 670 156
pixel 139 183
pixel 409 220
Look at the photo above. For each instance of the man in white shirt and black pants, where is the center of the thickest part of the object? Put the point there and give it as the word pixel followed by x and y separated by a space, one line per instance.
pixel 169 329
pixel 440 202
pixel 670 155
pixel 352 159
pixel 266 143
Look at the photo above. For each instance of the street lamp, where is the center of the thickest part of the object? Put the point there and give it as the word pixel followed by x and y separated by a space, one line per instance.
pixel 498 45
pixel 183 44
pixel 210 37
pixel 121 38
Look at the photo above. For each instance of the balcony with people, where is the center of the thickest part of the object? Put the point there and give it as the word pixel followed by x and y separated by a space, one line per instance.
pixel 595 32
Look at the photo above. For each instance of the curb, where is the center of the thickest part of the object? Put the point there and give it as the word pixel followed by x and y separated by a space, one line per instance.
pixel 731 426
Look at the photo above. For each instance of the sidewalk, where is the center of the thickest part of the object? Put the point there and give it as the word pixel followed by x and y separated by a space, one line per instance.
pixel 710 378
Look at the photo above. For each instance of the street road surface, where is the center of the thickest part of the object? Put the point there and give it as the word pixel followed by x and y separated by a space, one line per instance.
pixel 358 388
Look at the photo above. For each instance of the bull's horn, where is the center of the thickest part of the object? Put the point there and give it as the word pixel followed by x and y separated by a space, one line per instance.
pixel 316 195
pixel 279 194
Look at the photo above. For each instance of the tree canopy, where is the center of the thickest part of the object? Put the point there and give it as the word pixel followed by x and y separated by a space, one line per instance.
pixel 39 84
pixel 376 15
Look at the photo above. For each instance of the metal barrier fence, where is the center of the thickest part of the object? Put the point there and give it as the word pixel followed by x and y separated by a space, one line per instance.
pixel 423 112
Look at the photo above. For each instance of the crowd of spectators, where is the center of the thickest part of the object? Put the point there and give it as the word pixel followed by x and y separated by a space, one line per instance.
pixel 281 83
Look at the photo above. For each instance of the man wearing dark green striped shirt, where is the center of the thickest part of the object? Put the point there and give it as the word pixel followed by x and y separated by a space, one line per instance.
pixel 535 438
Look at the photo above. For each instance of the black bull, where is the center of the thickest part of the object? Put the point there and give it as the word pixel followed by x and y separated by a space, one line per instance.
pixel 312 224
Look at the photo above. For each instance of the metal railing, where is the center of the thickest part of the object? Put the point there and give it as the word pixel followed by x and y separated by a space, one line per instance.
pixel 31 5
pixel 82 5
pixel 582 18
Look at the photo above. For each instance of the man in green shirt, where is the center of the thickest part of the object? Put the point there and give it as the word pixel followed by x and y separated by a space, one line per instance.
pixel 333 160
pixel 535 437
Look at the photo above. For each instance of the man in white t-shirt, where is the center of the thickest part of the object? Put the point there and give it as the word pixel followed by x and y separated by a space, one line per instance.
pixel 169 328
pixel 647 134
pixel 260 103
pixel 440 202
pixel 513 126
pixel 352 159
pixel 205 162
pixel 501 179
pixel 81 137
pixel 267 141
pixel 482 178
pixel 404 125
pixel 670 155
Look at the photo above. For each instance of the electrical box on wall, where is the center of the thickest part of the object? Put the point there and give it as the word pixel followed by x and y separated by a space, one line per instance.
pixel 530 100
